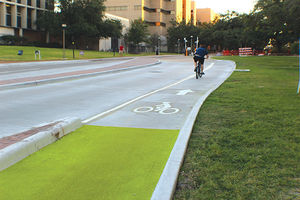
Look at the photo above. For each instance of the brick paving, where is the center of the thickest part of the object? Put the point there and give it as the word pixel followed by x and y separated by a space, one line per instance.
pixel 131 63
pixel 9 140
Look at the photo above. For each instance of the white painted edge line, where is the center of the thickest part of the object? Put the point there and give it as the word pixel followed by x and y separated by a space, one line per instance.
pixel 86 121
pixel 38 62
pixel 167 183
pixel 20 150
pixel 242 70
pixel 29 83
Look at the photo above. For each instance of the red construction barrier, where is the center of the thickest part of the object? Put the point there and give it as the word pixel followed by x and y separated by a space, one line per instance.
pixel 245 51
pixel 226 53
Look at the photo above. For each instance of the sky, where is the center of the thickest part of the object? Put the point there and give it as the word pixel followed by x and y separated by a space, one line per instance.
pixel 221 6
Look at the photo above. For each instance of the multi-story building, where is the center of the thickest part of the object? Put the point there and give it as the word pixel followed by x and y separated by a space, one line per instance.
pixel 186 10
pixel 193 13
pixel 17 17
pixel 156 13
pixel 206 15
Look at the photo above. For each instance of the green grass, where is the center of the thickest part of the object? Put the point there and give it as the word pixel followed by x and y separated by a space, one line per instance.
pixel 9 53
pixel 92 163
pixel 245 142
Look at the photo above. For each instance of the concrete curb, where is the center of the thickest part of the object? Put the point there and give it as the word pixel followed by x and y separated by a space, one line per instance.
pixel 56 62
pixel 166 185
pixel 20 150
pixel 39 82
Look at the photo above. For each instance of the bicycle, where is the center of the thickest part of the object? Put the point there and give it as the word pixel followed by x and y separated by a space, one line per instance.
pixel 198 70
pixel 165 108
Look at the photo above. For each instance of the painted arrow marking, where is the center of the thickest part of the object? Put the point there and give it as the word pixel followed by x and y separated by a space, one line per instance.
pixel 184 92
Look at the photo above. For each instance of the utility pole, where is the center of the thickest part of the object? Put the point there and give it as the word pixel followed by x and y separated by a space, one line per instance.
pixel 64 26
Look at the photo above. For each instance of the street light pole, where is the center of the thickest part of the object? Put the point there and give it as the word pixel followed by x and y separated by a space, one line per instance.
pixel 191 43
pixel 299 70
pixel 64 26
pixel 178 42
pixel 185 46
pixel 157 46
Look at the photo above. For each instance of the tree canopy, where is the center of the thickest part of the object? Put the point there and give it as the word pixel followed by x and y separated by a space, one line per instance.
pixel 84 20
pixel 271 20
pixel 136 34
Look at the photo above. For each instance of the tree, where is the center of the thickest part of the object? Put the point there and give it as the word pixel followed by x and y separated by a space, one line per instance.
pixel 293 18
pixel 153 41
pixel 136 34
pixel 181 31
pixel 84 19
pixel 277 20
pixel 275 16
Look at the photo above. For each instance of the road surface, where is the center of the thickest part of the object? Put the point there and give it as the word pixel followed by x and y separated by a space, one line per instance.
pixel 159 96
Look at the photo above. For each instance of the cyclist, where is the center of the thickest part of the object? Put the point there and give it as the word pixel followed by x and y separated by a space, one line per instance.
pixel 199 56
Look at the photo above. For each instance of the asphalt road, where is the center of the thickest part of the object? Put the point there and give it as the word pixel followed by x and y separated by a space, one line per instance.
pixel 159 96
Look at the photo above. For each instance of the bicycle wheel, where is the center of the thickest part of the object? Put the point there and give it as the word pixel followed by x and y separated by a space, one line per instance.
pixel 169 111
pixel 143 109
pixel 198 72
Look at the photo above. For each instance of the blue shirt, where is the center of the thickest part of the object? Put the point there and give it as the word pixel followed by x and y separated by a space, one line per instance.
pixel 201 52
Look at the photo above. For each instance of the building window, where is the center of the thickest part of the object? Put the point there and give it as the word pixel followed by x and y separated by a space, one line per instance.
pixel 38 3
pixel 167 12
pixel 29 25
pixel 116 8
pixel 29 2
pixel 18 1
pixel 156 23
pixel 38 14
pixel 138 7
pixel 8 15
pixel 149 9
pixel 19 18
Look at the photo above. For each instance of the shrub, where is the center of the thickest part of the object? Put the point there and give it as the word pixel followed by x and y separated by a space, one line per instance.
pixel 295 48
pixel 12 40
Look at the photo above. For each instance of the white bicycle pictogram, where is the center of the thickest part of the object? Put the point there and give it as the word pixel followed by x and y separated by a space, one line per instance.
pixel 165 108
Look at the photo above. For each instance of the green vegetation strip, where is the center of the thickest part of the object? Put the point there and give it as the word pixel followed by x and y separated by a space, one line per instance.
pixel 9 53
pixel 245 142
pixel 92 163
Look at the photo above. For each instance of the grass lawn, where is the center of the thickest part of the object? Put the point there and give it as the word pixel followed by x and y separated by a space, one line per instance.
pixel 9 53
pixel 245 142
pixel 92 163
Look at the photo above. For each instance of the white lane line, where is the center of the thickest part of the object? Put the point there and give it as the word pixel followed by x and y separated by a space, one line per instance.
pixel 86 121
pixel 20 70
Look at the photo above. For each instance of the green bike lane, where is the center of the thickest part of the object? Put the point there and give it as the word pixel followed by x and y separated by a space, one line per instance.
pixel 93 162
pixel 105 160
